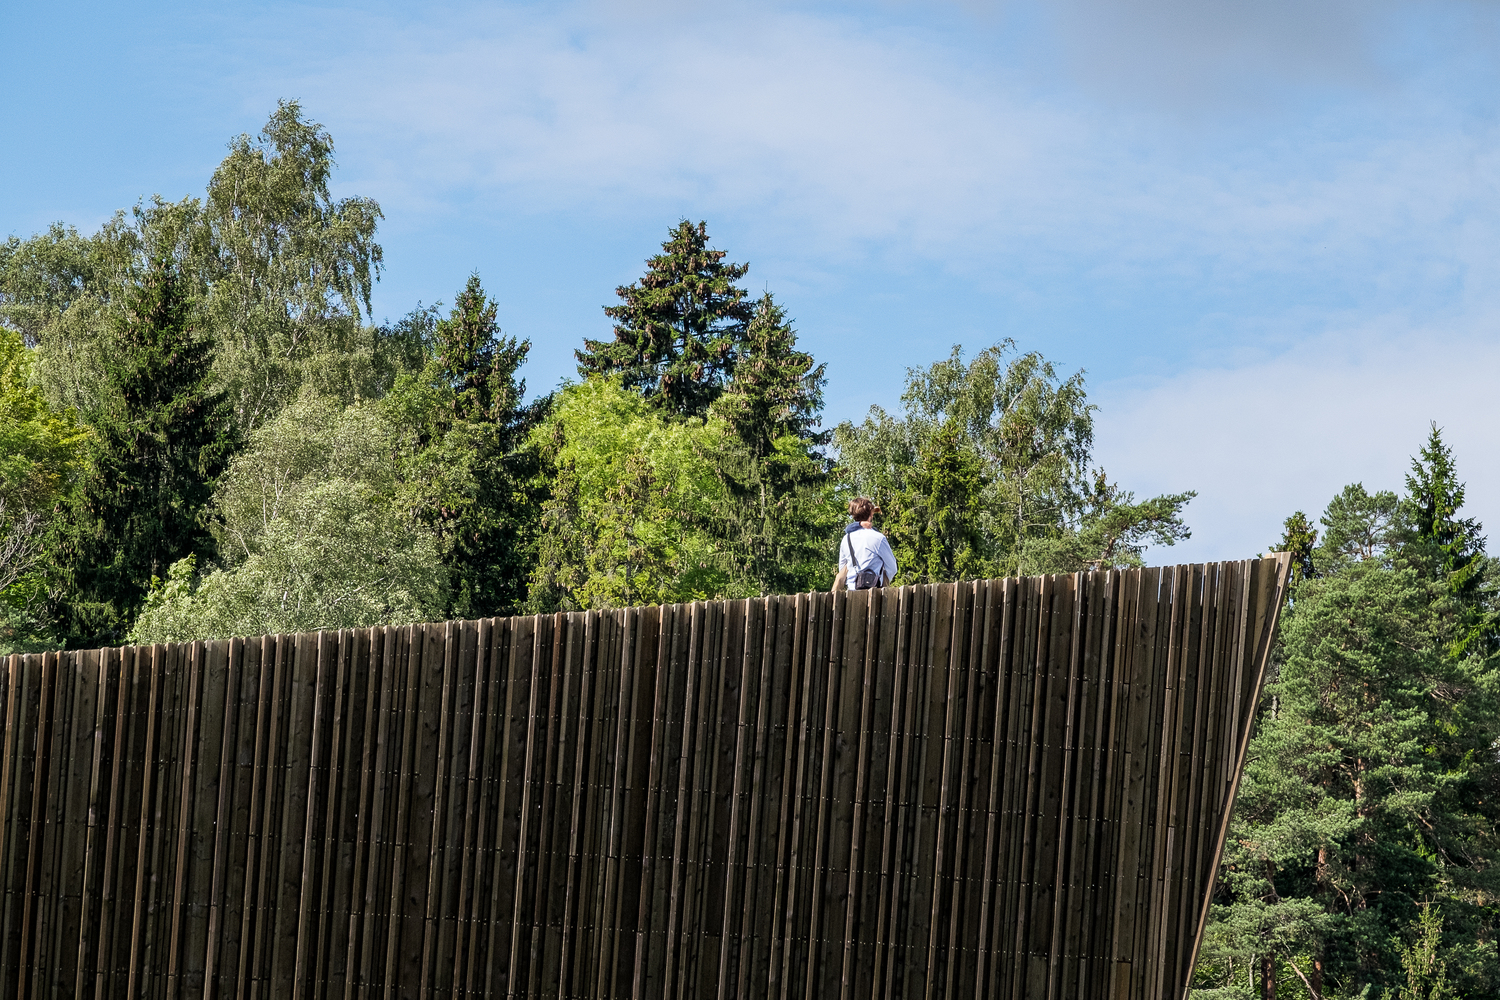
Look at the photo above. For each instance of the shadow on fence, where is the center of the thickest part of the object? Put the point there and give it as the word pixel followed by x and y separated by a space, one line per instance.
pixel 998 789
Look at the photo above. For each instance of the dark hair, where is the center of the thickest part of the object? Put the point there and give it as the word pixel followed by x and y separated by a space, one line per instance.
pixel 861 508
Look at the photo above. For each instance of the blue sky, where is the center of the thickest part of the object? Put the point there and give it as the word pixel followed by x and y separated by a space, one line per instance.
pixel 1269 232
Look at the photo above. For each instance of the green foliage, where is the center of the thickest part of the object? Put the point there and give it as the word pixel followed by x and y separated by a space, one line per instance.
pixel 315 529
pixel 1447 547
pixel 335 557
pixel 935 530
pixel 38 445
pixel 288 269
pixel 678 330
pixel 41 278
pixel 468 472
pixel 776 390
pixel 280 273
pixel 1368 805
pixel 1299 538
pixel 1112 530
pixel 38 457
pixel 1357 526
pixel 160 435
pixel 986 474
pixel 778 510
pixel 1450 546
pixel 630 488
pixel 1422 961
pixel 57 289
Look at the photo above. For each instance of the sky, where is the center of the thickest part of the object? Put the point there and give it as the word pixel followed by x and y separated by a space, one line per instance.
pixel 1269 232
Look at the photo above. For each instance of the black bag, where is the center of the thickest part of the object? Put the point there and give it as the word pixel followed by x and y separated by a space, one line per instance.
pixel 864 579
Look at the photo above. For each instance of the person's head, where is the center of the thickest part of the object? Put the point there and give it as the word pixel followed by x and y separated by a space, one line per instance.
pixel 862 509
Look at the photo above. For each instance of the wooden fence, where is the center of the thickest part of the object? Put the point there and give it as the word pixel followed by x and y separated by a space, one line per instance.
pixel 1011 788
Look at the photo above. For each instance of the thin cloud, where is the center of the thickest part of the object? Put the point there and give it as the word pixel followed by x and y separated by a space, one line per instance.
pixel 1262 440
pixel 875 141
pixel 850 149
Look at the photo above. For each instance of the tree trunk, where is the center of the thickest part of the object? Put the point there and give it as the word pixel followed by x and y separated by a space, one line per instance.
pixel 1268 977
pixel 1317 969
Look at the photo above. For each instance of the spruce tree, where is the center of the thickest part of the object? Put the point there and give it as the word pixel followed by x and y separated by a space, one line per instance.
pixel 776 389
pixel 776 519
pixel 480 363
pixel 1450 547
pixel 678 330
pixel 489 529
pixel 159 437
pixel 1299 538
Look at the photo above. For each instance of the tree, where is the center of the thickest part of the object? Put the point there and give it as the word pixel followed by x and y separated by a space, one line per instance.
pixel 41 278
pixel 1031 432
pixel 38 458
pixel 1448 548
pixel 1355 787
pixel 281 272
pixel 467 426
pixel 623 523
pixel 1300 539
pixel 159 437
pixel 1358 525
pixel 337 556
pixel 678 330
pixel 287 269
pixel 1368 804
pixel 38 445
pixel 315 529
pixel 1113 530
pixel 778 512
pixel 935 529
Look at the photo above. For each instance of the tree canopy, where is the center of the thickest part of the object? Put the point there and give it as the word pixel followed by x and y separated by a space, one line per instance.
pixel 1362 858
pixel 678 330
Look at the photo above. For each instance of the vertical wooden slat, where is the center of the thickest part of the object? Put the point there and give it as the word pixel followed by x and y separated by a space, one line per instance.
pixel 999 789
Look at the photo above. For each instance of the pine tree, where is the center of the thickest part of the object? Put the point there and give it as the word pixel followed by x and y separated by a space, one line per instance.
pixel 1370 789
pixel 160 436
pixel 678 331
pixel 1358 525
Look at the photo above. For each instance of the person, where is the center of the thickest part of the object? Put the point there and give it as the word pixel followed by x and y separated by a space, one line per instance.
pixel 864 548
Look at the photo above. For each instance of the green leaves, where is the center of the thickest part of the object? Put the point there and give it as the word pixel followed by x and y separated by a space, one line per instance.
pixel 632 490
pixel 316 528
pixel 777 511
pixel 986 474
pixel 160 436
pixel 1368 805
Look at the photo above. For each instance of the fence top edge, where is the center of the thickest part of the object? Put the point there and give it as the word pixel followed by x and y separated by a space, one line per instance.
pixel 278 637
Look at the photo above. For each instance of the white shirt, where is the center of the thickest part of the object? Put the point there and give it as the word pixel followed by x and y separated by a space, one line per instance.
pixel 872 550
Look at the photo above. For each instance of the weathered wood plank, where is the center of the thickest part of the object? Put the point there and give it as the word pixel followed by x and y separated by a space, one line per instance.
pixel 1008 789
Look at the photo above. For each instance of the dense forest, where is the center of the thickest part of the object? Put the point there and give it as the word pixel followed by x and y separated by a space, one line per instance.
pixel 204 433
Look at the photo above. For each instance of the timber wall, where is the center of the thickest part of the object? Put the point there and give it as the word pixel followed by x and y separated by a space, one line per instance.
pixel 1010 788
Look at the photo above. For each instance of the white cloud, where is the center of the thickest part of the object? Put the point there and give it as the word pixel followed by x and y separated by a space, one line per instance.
pixel 1342 254
pixel 856 139
pixel 1260 441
